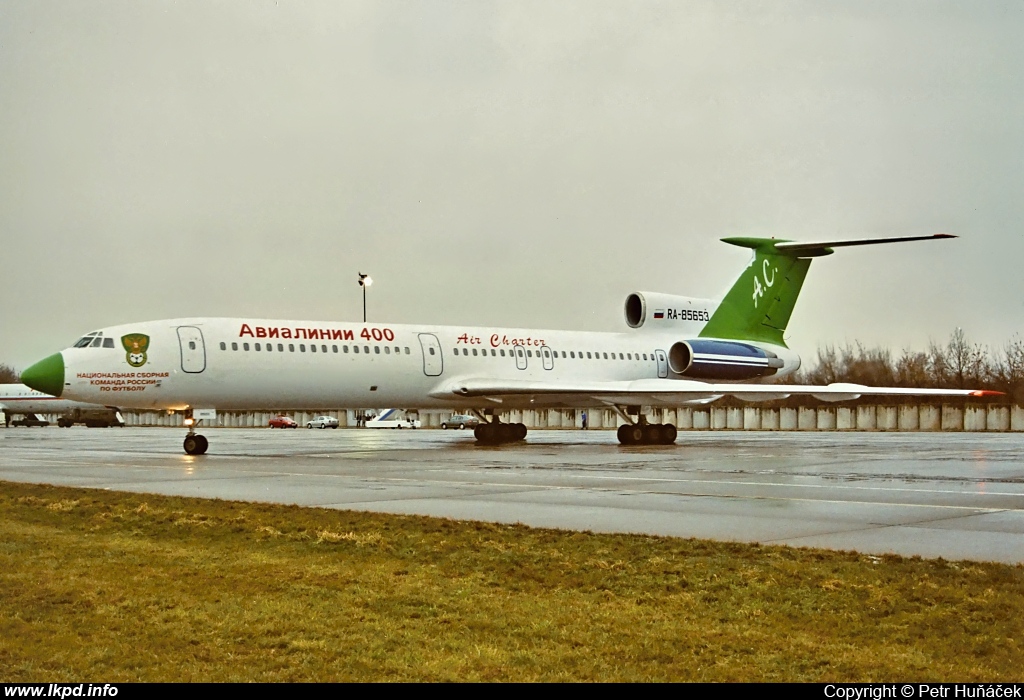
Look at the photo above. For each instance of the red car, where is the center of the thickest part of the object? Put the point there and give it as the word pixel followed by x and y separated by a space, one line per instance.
pixel 282 422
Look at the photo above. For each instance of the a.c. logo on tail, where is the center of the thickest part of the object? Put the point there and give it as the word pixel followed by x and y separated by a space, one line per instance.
pixel 136 345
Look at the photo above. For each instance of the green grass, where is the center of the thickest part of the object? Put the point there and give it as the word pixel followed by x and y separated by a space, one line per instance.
pixel 104 586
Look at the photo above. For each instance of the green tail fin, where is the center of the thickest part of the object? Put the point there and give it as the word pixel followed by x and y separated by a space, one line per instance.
pixel 760 303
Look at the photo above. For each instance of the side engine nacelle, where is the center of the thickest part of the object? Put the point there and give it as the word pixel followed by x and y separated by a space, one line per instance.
pixel 722 359
pixel 651 310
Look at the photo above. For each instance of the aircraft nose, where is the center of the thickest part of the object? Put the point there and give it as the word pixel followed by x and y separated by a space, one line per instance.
pixel 46 376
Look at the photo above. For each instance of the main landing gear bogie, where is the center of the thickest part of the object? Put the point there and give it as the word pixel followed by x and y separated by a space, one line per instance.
pixel 499 433
pixel 647 434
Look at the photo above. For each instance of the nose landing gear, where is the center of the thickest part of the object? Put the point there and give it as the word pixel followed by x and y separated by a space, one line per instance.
pixel 194 444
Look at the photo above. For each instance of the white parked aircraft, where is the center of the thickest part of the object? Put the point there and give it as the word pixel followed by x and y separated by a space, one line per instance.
pixel 18 399
pixel 677 351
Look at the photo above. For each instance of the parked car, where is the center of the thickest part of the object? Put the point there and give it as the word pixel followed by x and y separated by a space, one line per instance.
pixel 460 421
pixel 323 422
pixel 395 424
pixel 282 422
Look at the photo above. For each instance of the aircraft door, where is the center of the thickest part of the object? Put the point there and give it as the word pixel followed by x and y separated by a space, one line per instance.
pixel 547 357
pixel 520 353
pixel 193 349
pixel 433 363
pixel 662 363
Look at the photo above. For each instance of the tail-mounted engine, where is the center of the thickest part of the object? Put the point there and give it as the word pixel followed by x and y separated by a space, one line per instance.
pixel 668 311
pixel 720 359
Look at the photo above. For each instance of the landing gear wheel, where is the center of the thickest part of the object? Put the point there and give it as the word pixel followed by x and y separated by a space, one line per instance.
pixel 482 432
pixel 668 434
pixel 631 434
pixel 196 444
pixel 520 431
pixel 652 435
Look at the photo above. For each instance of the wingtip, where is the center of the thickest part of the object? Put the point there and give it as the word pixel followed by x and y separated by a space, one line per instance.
pixel 987 392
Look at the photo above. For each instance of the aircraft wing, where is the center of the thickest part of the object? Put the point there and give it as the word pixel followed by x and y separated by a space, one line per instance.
pixel 674 391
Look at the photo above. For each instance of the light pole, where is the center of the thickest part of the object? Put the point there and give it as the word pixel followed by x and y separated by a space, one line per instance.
pixel 364 282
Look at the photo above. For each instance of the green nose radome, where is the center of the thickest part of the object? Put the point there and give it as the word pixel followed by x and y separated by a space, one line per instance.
pixel 46 375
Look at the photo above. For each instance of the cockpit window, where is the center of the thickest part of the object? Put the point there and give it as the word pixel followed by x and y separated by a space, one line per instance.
pixel 97 342
pixel 84 342
pixel 108 342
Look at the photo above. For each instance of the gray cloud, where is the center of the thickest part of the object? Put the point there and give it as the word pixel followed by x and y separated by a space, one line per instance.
pixel 538 161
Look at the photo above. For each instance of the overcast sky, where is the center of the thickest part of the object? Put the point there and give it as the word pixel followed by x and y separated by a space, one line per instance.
pixel 505 163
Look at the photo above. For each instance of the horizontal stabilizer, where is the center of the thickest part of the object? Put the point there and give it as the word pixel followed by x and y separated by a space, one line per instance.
pixel 820 246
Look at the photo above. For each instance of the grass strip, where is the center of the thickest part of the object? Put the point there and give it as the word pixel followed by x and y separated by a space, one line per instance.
pixel 106 586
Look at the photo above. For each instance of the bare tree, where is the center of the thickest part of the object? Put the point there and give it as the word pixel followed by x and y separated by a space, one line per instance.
pixel 967 363
pixel 8 375
pixel 1008 370
pixel 912 369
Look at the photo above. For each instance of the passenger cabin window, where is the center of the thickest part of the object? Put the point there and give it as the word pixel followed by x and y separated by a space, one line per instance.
pixel 280 347
pixel 291 347
pixel 355 349
pixel 376 349
pixel 323 348
pixel 223 346
pixel 312 348
pixel 431 351
pixel 345 348
pixel 234 346
pixel 302 347
pixel 257 346
pixel 245 346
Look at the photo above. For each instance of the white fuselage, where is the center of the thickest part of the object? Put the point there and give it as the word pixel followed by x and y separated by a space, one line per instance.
pixel 18 399
pixel 225 363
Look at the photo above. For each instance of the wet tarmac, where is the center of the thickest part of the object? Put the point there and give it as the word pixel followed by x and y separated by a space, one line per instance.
pixel 956 496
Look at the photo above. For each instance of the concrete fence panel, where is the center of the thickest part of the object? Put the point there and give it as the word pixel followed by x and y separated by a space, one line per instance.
pixel 734 419
pixel 719 418
pixel 751 418
pixel 908 417
pixel 952 418
pixel 865 417
pixel 886 418
pixel 846 418
pixel 826 418
pixel 807 418
pixel 997 418
pixel 974 418
pixel 929 418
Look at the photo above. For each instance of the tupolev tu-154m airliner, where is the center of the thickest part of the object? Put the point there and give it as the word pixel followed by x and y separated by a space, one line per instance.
pixel 678 351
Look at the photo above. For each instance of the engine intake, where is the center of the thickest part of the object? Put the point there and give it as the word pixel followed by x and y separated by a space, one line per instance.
pixel 720 359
